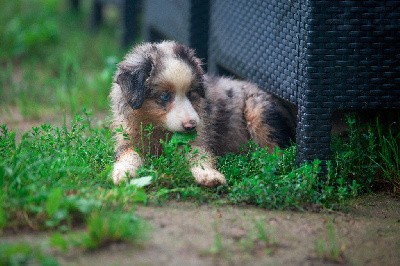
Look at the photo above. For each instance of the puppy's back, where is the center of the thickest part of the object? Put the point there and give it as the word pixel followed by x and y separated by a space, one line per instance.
pixel 237 111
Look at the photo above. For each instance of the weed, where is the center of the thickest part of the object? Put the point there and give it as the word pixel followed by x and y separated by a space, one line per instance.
pixel 53 204
pixel 369 157
pixel 217 248
pixel 328 248
pixel 172 166
pixel 24 254
pixel 262 233
pixel 268 180
pixel 105 228
pixel 102 229
pixel 259 239
pixel 58 241
pixel 388 161
pixel 352 158
pixel 3 217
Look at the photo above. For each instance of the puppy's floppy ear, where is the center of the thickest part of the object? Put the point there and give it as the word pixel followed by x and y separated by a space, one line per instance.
pixel 132 82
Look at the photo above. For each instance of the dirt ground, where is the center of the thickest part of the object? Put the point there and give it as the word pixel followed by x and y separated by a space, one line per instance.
pixel 184 234
pixel 192 234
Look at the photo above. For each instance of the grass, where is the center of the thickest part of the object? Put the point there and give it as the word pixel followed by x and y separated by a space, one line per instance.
pixel 369 157
pixel 388 158
pixel 328 248
pixel 53 167
pixel 24 254
pixel 259 240
pixel 58 177
pixel 217 247
pixel 255 177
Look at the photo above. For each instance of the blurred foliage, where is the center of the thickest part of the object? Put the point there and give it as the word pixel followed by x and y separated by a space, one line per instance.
pixel 29 25
pixel 51 61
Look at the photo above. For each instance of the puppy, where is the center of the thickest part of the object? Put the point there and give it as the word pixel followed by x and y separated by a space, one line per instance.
pixel 164 84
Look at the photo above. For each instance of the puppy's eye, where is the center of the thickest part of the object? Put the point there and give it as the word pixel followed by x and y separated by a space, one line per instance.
pixel 165 97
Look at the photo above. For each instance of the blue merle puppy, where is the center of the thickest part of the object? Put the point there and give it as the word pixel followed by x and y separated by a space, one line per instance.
pixel 164 84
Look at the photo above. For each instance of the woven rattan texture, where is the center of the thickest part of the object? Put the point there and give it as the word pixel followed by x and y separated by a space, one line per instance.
pixel 257 40
pixel 320 55
pixel 354 54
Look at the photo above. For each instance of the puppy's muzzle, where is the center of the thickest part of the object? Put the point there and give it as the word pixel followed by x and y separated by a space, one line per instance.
pixel 189 125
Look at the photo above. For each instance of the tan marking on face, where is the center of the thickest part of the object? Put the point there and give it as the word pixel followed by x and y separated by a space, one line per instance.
pixel 178 74
pixel 152 112
pixel 166 85
pixel 177 78
pixel 178 112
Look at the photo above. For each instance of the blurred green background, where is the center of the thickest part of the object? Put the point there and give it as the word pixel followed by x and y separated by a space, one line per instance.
pixel 52 63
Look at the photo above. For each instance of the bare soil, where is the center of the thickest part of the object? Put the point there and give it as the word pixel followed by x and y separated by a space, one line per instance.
pixel 12 117
pixel 186 233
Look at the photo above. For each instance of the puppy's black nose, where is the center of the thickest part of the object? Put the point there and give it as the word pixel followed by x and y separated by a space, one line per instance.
pixel 189 125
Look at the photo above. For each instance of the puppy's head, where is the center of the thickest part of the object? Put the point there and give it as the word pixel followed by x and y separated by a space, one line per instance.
pixel 164 83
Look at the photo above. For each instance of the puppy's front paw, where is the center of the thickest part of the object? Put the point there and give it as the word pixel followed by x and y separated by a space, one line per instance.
pixel 208 177
pixel 125 167
pixel 121 171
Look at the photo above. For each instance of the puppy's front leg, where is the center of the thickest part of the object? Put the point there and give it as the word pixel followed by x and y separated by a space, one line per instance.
pixel 204 170
pixel 126 164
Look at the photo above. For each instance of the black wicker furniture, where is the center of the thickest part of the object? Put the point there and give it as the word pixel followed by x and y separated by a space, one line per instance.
pixel 323 56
